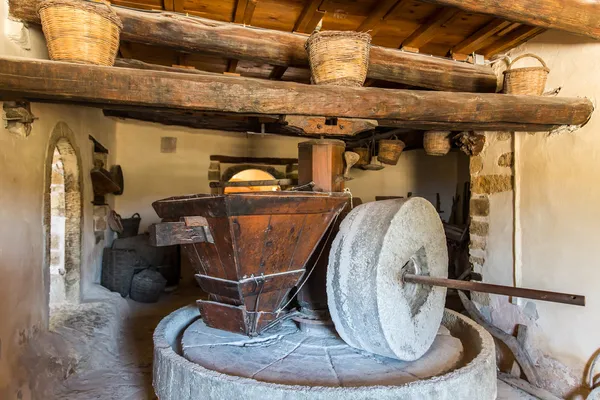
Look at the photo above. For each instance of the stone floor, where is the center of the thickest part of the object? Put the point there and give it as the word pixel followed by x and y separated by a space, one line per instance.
pixel 110 349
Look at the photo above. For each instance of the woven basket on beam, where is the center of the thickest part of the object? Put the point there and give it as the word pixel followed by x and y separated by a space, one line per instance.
pixel 81 31
pixel 339 58
pixel 390 150
pixel 528 81
pixel 436 143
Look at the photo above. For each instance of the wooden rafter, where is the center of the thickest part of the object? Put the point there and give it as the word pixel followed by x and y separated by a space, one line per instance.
pixel 512 39
pixel 277 73
pixel 477 39
pixel 178 5
pixel 169 5
pixel 310 17
pixel 576 16
pixel 426 32
pixel 244 11
pixel 240 9
pixel 37 80
pixel 377 16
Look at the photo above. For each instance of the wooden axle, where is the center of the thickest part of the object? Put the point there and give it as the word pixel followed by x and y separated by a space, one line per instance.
pixel 573 299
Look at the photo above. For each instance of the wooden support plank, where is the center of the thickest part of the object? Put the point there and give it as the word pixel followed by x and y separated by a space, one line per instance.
pixel 512 39
pixel 277 72
pixel 308 12
pixel 377 16
pixel 169 5
pixel 330 126
pixel 426 32
pixel 249 11
pixel 240 9
pixel 178 6
pixel 66 82
pixel 174 233
pixel 193 34
pixel 475 41
pixel 577 16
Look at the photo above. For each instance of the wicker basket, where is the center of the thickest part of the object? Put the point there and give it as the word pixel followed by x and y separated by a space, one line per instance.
pixel 131 226
pixel 81 31
pixel 118 267
pixel 528 81
pixel 390 150
pixel 147 286
pixel 436 143
pixel 339 58
pixel 364 154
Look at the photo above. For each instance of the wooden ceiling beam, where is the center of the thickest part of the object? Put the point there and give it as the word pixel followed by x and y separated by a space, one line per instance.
pixel 427 31
pixel 200 35
pixel 577 16
pixel 309 17
pixel 476 40
pixel 512 39
pixel 88 84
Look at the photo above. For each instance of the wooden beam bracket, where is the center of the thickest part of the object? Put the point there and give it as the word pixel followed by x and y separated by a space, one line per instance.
pixel 330 126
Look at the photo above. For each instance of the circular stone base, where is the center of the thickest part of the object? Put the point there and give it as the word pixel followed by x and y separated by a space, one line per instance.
pixel 292 357
pixel 252 366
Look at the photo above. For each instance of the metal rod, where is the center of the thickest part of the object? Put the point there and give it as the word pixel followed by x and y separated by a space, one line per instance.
pixel 573 299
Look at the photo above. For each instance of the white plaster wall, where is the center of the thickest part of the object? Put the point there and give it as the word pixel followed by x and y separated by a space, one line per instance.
pixel 23 307
pixel 559 197
pixel 151 175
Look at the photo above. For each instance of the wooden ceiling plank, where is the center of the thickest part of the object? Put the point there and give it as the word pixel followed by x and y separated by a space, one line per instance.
pixel 210 37
pixel 307 15
pixel 377 16
pixel 516 37
pixel 34 79
pixel 427 31
pixel 475 41
pixel 577 16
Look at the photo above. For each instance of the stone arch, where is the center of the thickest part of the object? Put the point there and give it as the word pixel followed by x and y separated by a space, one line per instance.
pixel 231 171
pixel 62 142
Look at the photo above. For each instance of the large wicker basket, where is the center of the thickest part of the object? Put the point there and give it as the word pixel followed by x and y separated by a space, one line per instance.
pixel 436 143
pixel 528 81
pixel 390 150
pixel 339 58
pixel 81 31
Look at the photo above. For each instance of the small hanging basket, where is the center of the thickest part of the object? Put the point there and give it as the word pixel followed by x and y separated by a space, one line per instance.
pixel 339 58
pixel 528 81
pixel 364 154
pixel 436 143
pixel 390 150
pixel 81 31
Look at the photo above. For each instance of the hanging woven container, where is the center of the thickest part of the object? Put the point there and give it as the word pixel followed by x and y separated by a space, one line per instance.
pixel 436 143
pixel 81 31
pixel 364 154
pixel 528 81
pixel 339 58
pixel 390 150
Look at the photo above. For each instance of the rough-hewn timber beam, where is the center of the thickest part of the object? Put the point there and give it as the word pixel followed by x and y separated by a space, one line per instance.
pixel 576 16
pixel 192 34
pixel 42 79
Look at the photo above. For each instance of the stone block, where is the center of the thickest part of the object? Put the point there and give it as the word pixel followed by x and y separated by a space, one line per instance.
pixel 100 224
pixel 506 160
pixel 477 260
pixel 100 211
pixel 480 206
pixel 488 184
pixel 503 136
pixel 475 165
pixel 477 244
pixel 479 228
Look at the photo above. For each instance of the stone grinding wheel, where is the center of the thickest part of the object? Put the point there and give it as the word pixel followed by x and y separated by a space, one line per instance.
pixel 371 307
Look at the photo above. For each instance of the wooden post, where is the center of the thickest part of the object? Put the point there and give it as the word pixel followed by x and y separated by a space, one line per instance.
pixel 321 161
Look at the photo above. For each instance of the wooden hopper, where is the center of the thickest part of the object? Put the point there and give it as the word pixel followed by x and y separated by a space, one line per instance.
pixel 248 249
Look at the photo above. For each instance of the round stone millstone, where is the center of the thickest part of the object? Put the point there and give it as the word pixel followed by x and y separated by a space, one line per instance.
pixel 372 309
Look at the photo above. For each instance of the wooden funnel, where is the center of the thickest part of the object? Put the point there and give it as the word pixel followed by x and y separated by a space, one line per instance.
pixel 248 249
